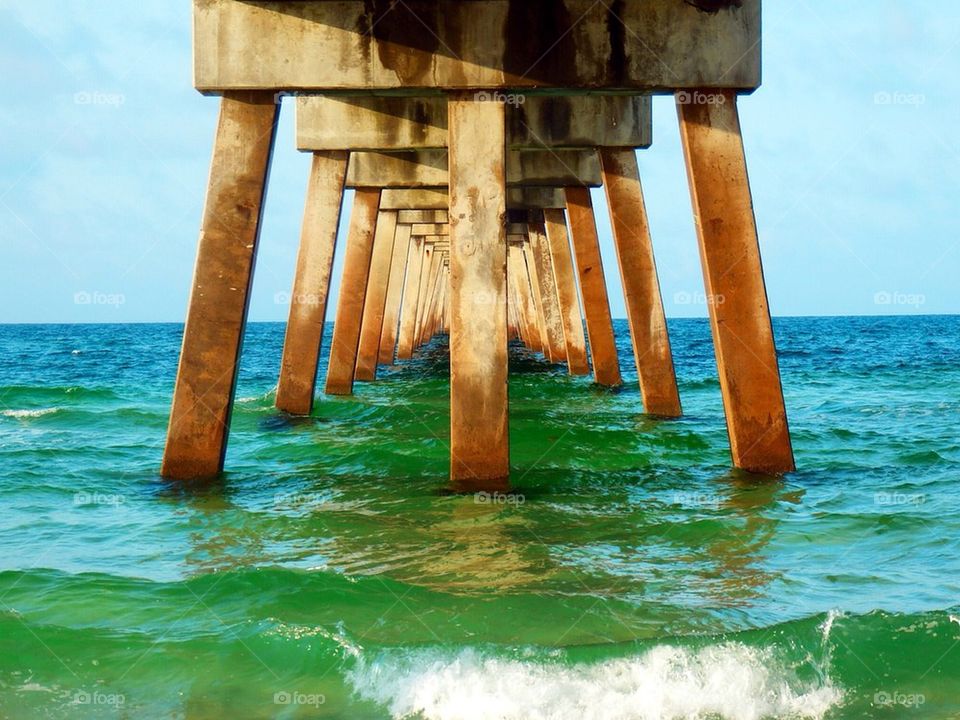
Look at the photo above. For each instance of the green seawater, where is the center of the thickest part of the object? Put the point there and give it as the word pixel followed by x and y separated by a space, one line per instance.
pixel 629 574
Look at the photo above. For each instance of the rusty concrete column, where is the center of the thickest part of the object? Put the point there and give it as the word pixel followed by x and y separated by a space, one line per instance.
pixel 513 325
pixel 567 297
pixel 641 287
pixel 411 293
pixel 514 267
pixel 733 274
pixel 434 297
pixel 425 280
pixel 440 301
pixel 534 277
pixel 433 282
pixel 593 286
pixel 311 284
pixel 217 312
pixel 375 302
pixel 525 293
pixel 479 438
pixel 391 314
pixel 353 291
pixel 543 261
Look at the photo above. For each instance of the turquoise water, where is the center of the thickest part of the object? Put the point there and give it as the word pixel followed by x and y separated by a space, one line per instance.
pixel 630 575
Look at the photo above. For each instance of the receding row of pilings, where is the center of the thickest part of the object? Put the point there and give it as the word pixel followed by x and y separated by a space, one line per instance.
pixel 472 212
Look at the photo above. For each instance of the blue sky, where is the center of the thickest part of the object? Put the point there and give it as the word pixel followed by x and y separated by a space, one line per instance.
pixel 852 145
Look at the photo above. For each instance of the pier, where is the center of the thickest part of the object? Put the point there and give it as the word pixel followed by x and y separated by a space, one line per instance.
pixel 472 132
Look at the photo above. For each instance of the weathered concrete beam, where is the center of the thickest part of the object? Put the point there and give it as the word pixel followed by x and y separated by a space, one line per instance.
pixel 433 229
pixel 521 279
pixel 593 287
pixel 533 274
pixel 409 217
pixel 409 304
pixel 641 287
pixel 438 199
pixel 217 315
pixel 390 123
pixel 426 269
pixel 421 229
pixel 308 303
pixel 733 275
pixel 353 292
pixel 375 302
pixel 650 46
pixel 479 424
pixel 555 345
pixel 555 225
pixel 428 168
pixel 391 316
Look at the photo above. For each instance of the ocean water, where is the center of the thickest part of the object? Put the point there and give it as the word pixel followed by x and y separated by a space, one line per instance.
pixel 631 574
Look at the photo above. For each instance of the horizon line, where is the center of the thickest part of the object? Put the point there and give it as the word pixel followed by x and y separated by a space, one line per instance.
pixel 281 322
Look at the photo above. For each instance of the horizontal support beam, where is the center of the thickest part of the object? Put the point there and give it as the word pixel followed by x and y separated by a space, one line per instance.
pixel 421 229
pixel 428 168
pixel 369 45
pixel 373 123
pixel 409 217
pixel 438 199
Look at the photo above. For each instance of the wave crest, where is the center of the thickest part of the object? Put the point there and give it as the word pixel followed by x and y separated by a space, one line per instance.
pixel 730 681
pixel 22 414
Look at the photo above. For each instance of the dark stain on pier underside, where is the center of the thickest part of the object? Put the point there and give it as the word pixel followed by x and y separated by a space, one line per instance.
pixel 713 6
pixel 397 26
pixel 617 31
pixel 540 37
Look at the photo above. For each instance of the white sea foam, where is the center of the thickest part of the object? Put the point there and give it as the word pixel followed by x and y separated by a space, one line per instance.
pixel 730 681
pixel 21 414
pixel 257 398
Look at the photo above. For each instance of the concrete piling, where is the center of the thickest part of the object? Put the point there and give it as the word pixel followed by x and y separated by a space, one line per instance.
pixel 308 302
pixel 479 441
pixel 375 302
pixel 217 313
pixel 593 285
pixel 353 292
pixel 736 293
pixel 641 287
